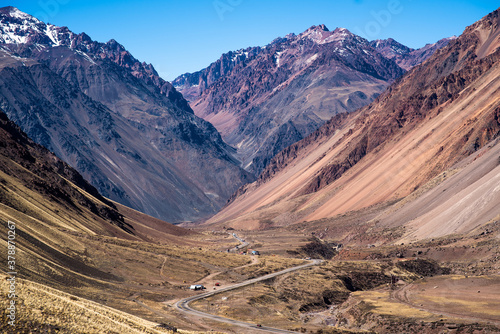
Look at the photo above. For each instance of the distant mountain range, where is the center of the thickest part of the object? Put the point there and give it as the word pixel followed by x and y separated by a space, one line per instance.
pixel 129 132
pixel 404 56
pixel 421 161
pixel 263 99
pixel 138 141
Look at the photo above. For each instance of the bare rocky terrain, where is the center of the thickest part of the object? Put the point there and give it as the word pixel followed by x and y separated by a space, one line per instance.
pixel 399 199
pixel 263 99
pixel 406 57
pixel 130 133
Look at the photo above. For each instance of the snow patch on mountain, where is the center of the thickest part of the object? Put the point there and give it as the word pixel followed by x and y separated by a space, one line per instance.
pixel 86 56
pixel 51 32
pixel 21 15
pixel 238 54
pixel 278 56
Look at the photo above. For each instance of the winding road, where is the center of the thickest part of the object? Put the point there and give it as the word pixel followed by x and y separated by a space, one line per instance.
pixel 183 304
pixel 241 246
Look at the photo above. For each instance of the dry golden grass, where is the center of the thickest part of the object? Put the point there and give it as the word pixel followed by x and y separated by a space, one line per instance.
pixel 176 263
pixel 258 303
pixel 46 309
pixel 380 302
pixel 267 265
pixel 102 269
pixel 471 296
pixel 74 250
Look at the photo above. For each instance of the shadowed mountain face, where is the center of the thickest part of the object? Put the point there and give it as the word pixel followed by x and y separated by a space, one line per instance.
pixel 68 236
pixel 264 99
pixel 48 200
pixel 39 171
pixel 130 133
pixel 414 136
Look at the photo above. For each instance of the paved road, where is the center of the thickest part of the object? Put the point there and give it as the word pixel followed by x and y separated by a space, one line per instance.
pixel 183 304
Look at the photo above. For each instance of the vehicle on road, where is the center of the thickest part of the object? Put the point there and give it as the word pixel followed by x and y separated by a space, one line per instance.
pixel 197 287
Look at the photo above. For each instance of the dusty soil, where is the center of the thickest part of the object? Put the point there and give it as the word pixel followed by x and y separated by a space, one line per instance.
pixel 475 298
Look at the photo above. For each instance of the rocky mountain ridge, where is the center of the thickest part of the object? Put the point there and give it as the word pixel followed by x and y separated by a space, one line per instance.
pixel 124 128
pixel 42 172
pixel 406 57
pixel 22 28
pixel 263 99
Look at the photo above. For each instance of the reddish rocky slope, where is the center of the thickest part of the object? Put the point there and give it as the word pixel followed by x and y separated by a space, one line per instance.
pixel 431 119
pixel 264 99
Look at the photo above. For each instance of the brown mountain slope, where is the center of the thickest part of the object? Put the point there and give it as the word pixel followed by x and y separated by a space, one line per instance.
pixel 466 198
pixel 439 113
pixel 263 99
pixel 28 168
pixel 42 193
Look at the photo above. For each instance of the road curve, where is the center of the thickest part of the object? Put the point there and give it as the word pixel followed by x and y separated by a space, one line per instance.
pixel 183 304
pixel 240 246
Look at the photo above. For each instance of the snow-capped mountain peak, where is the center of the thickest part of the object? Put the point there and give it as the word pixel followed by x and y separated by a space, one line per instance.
pixel 17 27
pixel 16 13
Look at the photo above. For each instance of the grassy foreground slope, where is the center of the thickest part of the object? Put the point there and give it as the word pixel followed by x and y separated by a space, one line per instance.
pixel 47 310
pixel 69 238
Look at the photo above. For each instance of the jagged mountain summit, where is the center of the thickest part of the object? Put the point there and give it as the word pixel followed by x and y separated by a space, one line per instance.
pixel 263 99
pixel 22 28
pixel 129 132
pixel 404 56
pixel 421 161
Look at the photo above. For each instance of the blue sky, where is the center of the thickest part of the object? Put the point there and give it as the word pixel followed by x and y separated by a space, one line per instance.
pixel 179 36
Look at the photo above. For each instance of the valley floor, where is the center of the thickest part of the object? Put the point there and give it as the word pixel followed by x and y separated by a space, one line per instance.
pixel 361 288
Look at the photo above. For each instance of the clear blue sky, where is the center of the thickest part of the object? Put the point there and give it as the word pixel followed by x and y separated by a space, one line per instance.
pixel 179 36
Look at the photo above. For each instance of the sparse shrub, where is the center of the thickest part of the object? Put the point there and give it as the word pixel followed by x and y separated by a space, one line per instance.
pixel 423 267
pixel 318 249
pixel 359 281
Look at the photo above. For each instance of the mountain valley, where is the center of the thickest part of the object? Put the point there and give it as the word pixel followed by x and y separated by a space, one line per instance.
pixel 375 208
